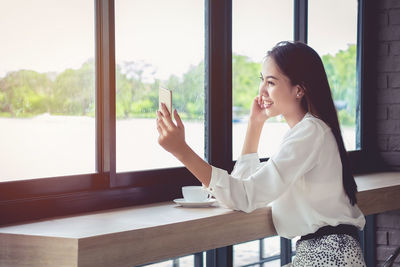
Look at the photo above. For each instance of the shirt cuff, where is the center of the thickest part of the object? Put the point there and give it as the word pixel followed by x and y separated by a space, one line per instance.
pixel 248 157
pixel 215 178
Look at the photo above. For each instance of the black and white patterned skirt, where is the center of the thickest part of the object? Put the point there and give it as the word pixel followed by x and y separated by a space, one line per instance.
pixel 328 250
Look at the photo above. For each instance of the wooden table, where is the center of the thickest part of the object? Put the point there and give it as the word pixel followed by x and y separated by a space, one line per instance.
pixel 141 234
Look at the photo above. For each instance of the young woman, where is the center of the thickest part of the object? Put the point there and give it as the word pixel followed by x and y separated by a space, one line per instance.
pixel 308 182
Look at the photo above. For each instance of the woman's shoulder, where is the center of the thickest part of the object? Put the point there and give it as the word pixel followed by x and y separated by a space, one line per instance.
pixel 309 130
pixel 310 124
pixel 319 124
pixel 310 127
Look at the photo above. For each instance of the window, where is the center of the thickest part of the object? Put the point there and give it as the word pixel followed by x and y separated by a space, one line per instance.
pixel 197 259
pixel 256 27
pixel 335 40
pixel 264 252
pixel 158 43
pixel 103 136
pixel 47 94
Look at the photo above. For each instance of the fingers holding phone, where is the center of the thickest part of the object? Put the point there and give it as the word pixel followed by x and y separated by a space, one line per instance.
pixel 165 96
pixel 171 135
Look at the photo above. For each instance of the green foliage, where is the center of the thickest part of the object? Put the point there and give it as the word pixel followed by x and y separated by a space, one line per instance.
pixel 245 82
pixel 190 94
pixel 73 91
pixel 341 71
pixel 24 93
pixel 27 93
pixel 346 118
pixel 135 97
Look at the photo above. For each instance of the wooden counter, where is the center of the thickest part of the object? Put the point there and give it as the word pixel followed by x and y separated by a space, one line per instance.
pixel 141 234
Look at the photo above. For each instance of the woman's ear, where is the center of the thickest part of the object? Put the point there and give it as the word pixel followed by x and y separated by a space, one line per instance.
pixel 299 92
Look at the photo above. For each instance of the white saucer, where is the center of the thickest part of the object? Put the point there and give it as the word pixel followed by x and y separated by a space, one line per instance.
pixel 190 204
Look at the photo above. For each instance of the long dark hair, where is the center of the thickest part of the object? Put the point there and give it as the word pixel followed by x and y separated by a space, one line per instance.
pixel 303 66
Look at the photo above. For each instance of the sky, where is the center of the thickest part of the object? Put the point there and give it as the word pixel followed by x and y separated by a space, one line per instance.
pixel 50 36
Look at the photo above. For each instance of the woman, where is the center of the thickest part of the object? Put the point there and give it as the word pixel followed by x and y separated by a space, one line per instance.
pixel 308 181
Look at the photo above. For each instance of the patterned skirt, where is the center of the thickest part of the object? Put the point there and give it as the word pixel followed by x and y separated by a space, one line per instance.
pixel 328 250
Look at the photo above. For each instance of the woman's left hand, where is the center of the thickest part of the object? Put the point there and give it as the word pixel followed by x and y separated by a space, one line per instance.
pixel 171 136
pixel 258 112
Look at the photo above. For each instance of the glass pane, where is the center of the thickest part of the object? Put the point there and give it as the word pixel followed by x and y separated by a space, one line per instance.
pixel 246 253
pixel 157 43
pixel 275 263
pixel 168 263
pixel 257 26
pixel 186 261
pixel 271 246
pixel 294 240
pixel 47 89
pixel 336 42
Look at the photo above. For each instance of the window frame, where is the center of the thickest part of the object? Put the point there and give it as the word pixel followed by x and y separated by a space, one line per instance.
pixel 33 199
pixel 60 196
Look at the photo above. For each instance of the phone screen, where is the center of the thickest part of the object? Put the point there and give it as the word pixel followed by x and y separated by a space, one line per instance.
pixel 165 96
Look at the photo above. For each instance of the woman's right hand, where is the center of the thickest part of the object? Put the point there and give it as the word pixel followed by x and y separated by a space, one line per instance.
pixel 258 112
pixel 258 116
pixel 171 136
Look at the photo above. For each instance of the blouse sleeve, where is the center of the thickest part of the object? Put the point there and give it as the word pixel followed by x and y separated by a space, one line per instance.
pixel 253 185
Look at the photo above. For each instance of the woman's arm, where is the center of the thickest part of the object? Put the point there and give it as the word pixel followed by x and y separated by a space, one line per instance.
pixel 172 138
pixel 254 127
pixel 196 165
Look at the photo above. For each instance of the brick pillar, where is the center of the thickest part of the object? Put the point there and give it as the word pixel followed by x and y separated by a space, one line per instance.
pixel 388 91
pixel 387 235
pixel 388 118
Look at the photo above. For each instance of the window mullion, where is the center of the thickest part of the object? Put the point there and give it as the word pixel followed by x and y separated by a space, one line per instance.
pixel 218 64
pixel 360 133
pixel 218 90
pixel 300 20
pixel 105 90
pixel 286 251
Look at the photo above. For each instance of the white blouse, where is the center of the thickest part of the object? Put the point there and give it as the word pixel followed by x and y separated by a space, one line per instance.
pixel 302 182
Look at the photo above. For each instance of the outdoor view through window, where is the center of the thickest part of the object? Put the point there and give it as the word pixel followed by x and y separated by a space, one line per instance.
pixel 334 39
pixel 47 82
pixel 47 105
pixel 157 43
pixel 257 26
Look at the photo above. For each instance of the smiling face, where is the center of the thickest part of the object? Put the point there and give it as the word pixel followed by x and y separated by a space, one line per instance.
pixel 277 93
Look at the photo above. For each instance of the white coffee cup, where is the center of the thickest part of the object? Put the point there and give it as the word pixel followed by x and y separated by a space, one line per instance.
pixel 195 194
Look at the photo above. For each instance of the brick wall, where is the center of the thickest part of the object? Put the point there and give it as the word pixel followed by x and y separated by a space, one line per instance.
pixel 388 80
pixel 388 117
pixel 387 236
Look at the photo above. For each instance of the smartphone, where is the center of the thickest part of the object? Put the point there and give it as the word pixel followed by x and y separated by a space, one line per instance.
pixel 165 96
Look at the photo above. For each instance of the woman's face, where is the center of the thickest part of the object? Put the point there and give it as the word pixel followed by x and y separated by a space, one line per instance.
pixel 277 93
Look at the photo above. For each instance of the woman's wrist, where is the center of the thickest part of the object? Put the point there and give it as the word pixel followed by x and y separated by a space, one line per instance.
pixel 182 152
pixel 255 124
pixel 252 138
pixel 195 164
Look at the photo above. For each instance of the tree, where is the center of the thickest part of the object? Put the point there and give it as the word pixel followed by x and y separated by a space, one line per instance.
pixel 25 92
pixel 74 91
pixel 341 71
pixel 192 90
pixel 245 82
pixel 136 97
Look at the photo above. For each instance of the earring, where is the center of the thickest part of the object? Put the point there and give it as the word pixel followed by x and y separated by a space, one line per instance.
pixel 298 95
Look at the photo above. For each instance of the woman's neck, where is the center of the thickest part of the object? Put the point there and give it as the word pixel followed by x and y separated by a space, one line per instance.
pixel 294 118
